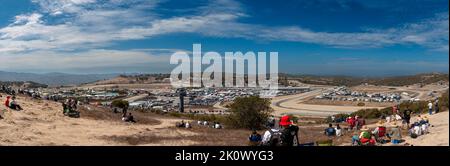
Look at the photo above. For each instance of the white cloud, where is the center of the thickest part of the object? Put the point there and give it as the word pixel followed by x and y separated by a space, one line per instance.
pixel 58 7
pixel 90 25
pixel 99 25
pixel 96 58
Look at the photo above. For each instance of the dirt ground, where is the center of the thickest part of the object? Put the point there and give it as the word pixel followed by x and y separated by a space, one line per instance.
pixel 42 123
pixel 439 133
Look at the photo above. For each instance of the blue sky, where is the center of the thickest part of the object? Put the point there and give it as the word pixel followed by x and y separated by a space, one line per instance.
pixel 326 37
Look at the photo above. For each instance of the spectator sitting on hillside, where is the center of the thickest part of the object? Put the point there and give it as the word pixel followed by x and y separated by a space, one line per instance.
pixel 411 132
pixel 380 132
pixel 338 130
pixel 7 101
pixel 365 137
pixel 180 124
pixel 330 131
pixel 395 134
pixel 130 118
pixel 351 122
pixel 217 125
pixel 417 129
pixel 289 133
pixel 360 122
pixel 187 125
pixel 14 105
pixel 271 137
pixel 254 139
pixel 388 119
pixel 355 139
pixel 124 117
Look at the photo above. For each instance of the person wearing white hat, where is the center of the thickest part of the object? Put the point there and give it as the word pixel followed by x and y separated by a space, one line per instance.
pixel 380 131
pixel 395 134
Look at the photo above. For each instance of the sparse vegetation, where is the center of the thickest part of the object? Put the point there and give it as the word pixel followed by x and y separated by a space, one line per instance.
pixel 249 112
pixel 120 103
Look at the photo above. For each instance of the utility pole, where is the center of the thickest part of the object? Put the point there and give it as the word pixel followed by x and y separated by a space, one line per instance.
pixel 182 94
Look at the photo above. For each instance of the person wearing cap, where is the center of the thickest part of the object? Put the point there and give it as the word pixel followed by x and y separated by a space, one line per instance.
pixel 380 131
pixel 289 132
pixel 395 134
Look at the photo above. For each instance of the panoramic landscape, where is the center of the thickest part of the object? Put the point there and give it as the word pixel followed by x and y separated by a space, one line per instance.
pixel 155 106
pixel 224 73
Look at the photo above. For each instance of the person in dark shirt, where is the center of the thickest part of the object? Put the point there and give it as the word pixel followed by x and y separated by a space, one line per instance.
pixel 254 138
pixel 130 118
pixel 330 131
pixel 407 116
pixel 289 132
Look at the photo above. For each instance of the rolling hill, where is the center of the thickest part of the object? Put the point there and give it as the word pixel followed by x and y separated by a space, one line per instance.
pixel 54 79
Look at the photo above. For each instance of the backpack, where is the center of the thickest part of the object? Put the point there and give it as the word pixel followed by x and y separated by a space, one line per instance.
pixel 274 138
pixel 289 136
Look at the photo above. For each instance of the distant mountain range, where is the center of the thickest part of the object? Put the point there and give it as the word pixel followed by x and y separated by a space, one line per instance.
pixel 55 79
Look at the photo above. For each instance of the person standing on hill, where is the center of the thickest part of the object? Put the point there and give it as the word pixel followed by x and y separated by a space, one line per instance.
pixel 430 107
pixel 436 106
pixel 407 116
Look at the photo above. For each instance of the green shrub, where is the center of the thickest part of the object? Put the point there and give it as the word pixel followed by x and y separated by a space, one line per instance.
pixel 120 103
pixel 249 112
pixel 175 114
